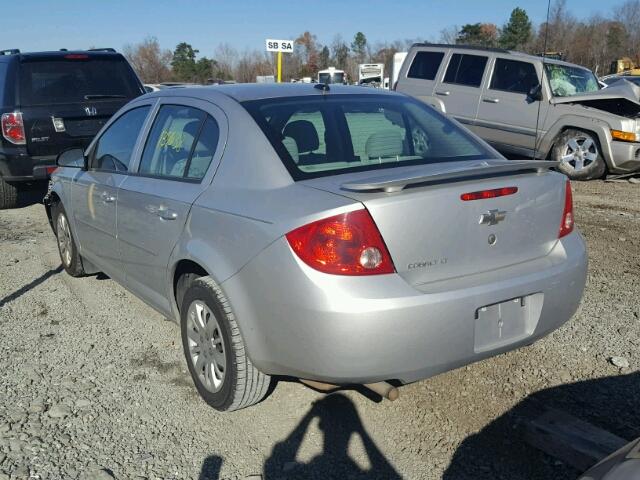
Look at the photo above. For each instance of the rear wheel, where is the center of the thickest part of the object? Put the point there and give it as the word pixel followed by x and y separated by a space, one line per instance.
pixel 8 195
pixel 579 155
pixel 69 255
pixel 214 349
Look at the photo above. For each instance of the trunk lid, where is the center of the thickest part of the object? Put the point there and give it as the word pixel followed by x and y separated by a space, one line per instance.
pixel 433 235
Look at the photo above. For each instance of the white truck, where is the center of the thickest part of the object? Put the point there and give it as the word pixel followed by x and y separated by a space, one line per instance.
pixel 398 60
pixel 332 75
pixel 371 74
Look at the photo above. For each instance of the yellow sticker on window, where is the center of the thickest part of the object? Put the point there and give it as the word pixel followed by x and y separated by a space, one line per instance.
pixel 170 139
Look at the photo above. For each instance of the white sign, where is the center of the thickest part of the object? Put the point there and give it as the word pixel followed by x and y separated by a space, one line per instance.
pixel 285 46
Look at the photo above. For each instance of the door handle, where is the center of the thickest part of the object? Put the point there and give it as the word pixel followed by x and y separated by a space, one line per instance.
pixel 490 100
pixel 167 214
pixel 107 198
pixel 444 93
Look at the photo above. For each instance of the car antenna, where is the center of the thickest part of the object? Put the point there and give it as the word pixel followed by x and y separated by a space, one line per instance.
pixel 322 86
pixel 544 70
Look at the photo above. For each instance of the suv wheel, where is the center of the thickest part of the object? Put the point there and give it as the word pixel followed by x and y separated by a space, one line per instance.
pixel 8 195
pixel 220 368
pixel 579 155
pixel 69 255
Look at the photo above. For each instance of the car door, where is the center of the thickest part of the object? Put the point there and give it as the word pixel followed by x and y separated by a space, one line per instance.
pixel 95 191
pixel 180 156
pixel 460 87
pixel 506 117
pixel 418 78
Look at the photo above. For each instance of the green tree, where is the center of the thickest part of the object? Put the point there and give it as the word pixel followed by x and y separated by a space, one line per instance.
pixel 479 34
pixel 340 52
pixel 324 58
pixel 359 46
pixel 183 63
pixel 517 31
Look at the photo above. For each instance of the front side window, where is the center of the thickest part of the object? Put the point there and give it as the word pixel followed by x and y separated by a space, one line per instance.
pixel 114 148
pixel 566 80
pixel 425 65
pixel 328 135
pixel 465 70
pixel 513 76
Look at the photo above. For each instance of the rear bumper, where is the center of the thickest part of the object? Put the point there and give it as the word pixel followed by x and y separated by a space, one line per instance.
pixel 16 165
pixel 298 322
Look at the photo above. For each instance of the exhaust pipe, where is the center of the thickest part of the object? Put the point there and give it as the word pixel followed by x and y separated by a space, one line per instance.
pixel 384 389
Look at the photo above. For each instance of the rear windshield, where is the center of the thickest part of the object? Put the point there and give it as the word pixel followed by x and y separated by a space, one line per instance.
pixel 324 135
pixel 77 80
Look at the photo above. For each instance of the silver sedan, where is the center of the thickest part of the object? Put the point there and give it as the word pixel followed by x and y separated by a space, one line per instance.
pixel 329 233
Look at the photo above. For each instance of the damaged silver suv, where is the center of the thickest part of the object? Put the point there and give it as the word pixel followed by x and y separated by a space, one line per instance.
pixel 530 108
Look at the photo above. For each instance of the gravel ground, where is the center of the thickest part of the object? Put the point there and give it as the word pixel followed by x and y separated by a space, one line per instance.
pixel 93 384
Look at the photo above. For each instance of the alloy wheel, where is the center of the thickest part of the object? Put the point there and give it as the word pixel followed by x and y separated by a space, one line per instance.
pixel 206 346
pixel 65 243
pixel 579 153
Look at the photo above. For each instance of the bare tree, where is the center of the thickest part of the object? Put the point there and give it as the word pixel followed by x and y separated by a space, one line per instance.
pixel 151 63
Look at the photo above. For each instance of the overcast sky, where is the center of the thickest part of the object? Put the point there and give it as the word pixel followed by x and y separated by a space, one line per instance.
pixel 33 25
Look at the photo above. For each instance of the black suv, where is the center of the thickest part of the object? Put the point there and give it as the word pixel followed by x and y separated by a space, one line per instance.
pixel 52 101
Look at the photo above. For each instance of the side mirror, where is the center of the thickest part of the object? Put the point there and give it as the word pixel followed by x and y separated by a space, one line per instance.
pixel 73 157
pixel 535 94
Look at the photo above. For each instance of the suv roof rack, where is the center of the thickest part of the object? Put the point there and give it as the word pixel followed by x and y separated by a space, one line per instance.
pixel 465 47
pixel 10 51
pixel 107 49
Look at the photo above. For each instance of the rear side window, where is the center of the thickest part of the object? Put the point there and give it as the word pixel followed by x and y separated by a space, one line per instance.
pixel 63 80
pixel 513 76
pixel 114 148
pixel 169 145
pixel 359 133
pixel 181 144
pixel 425 65
pixel 465 70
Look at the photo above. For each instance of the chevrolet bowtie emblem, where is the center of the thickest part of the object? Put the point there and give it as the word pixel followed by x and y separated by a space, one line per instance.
pixel 493 217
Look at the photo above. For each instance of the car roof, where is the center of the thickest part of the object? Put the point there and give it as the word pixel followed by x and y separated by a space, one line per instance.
pixel 243 92
pixel 513 53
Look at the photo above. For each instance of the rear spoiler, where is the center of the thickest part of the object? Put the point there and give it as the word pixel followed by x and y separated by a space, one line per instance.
pixel 389 183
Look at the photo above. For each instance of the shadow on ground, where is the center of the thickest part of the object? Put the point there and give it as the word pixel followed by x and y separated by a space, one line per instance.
pixel 498 451
pixel 34 283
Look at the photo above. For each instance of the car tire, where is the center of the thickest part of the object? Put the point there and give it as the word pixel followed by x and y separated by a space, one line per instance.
pixel 215 352
pixel 579 155
pixel 67 247
pixel 8 195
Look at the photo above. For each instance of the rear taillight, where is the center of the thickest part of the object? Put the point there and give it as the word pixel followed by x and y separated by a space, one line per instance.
pixel 346 244
pixel 566 226
pixel 13 128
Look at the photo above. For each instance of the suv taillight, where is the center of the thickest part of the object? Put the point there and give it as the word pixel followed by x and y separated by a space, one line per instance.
pixel 13 128
pixel 346 244
pixel 566 226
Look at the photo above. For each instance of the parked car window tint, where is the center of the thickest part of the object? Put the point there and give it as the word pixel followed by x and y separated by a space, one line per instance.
pixel 3 75
pixel 71 81
pixel 204 150
pixel 513 76
pixel 365 132
pixel 172 136
pixel 114 148
pixel 465 70
pixel 425 65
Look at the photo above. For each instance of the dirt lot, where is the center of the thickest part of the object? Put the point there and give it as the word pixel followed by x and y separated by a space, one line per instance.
pixel 93 383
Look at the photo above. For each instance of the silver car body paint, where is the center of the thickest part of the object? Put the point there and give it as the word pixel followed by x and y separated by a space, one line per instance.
pixel 422 320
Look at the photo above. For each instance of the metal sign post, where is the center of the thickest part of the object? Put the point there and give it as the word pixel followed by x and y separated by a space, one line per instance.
pixel 279 46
